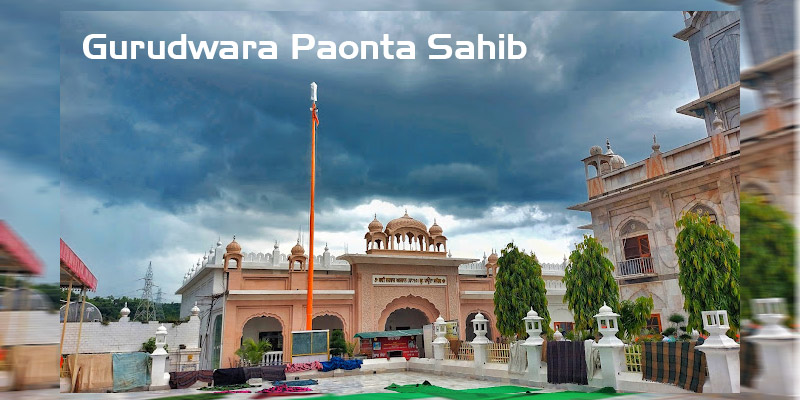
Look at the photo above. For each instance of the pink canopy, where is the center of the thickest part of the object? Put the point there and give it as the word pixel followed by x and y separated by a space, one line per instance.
pixel 15 256
pixel 72 268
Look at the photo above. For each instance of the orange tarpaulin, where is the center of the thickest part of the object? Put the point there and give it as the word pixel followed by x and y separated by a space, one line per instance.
pixel 33 366
pixel 94 372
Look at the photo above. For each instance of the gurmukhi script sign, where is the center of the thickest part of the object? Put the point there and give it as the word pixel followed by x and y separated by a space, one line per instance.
pixel 414 280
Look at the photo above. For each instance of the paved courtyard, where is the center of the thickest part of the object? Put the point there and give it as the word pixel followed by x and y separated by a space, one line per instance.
pixel 336 385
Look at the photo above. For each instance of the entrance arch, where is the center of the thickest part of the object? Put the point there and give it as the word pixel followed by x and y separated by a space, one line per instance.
pixel 469 330
pixel 420 304
pixel 406 318
pixel 264 328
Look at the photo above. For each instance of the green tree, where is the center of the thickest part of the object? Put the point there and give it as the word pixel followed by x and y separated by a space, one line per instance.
pixel 633 316
pixel 252 351
pixel 518 288
pixel 767 268
pixel 708 260
pixel 338 343
pixel 590 282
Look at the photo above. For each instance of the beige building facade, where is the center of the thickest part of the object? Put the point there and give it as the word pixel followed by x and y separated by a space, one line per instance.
pixel 634 207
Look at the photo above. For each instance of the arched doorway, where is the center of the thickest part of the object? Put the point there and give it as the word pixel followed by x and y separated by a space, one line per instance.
pixel 265 328
pixel 406 318
pixel 469 330
pixel 327 321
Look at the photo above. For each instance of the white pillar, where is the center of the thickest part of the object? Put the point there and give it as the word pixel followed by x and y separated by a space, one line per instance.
pixel 480 344
pixel 722 353
pixel 533 348
pixel 610 348
pixel 776 349
pixel 159 377
pixel 440 329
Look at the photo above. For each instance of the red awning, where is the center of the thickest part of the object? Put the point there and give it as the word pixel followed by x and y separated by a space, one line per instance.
pixel 15 256
pixel 74 268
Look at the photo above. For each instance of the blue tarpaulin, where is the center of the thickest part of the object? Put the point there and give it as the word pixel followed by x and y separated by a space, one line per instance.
pixel 339 363
pixel 130 371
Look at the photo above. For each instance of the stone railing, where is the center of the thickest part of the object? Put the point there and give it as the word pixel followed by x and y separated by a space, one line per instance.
pixel 272 358
pixel 635 267
pixel 553 268
pixel 554 285
pixel 474 268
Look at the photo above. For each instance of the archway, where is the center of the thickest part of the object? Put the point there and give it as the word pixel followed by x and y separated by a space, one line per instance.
pixel 406 318
pixel 327 321
pixel 409 301
pixel 264 328
pixel 469 331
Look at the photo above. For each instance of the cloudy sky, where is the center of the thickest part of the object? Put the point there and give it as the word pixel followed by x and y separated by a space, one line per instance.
pixel 159 159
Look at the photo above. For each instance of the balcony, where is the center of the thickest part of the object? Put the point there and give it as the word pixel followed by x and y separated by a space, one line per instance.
pixel 635 268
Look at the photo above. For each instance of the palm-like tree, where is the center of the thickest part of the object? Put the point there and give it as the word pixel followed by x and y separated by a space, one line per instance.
pixel 252 351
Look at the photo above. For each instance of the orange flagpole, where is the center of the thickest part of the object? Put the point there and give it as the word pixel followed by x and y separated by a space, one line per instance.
pixel 310 295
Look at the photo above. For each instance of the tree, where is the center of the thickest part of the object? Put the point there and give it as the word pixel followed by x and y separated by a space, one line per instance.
pixel 633 316
pixel 590 283
pixel 708 260
pixel 767 268
pixel 252 351
pixel 338 343
pixel 518 288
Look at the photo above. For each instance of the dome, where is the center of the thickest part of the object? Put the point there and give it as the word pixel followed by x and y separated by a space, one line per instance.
pixel 375 225
pixel 616 160
pixel 125 310
pixel 532 313
pixel 605 309
pixel 90 313
pixel 298 249
pixel 595 150
pixel 24 300
pixel 405 222
pixel 435 230
pixel 233 247
pixel 493 258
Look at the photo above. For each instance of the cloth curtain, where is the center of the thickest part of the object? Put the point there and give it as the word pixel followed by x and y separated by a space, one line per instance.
pixel 518 359
pixel 229 376
pixel 566 363
pixel 185 379
pixel 676 363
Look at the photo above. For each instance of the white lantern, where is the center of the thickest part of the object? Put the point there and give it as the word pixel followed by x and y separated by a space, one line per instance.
pixel 533 325
pixel 161 340
pixel 607 321
pixel 313 91
pixel 717 325
pixel 771 313
pixel 479 326
pixel 440 329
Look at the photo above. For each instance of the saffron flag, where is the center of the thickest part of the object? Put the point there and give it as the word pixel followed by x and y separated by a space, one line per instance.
pixel 314 115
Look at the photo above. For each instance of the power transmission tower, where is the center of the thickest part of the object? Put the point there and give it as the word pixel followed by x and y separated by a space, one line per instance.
pixel 145 311
pixel 158 306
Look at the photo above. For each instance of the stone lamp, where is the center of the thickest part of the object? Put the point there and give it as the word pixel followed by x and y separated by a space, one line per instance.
pixel 479 326
pixel 607 321
pixel 533 325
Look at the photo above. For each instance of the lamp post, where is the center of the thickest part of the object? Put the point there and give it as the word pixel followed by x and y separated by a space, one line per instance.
pixel 533 347
pixel 722 353
pixel 611 349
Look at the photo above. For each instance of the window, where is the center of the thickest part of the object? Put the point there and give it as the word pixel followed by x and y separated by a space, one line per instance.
pixel 654 323
pixel 703 210
pixel 564 326
pixel 636 247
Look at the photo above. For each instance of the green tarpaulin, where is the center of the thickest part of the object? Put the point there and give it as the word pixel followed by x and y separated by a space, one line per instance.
pixel 130 371
pixel 372 335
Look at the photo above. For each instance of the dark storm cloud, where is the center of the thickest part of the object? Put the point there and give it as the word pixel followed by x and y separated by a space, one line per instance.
pixel 457 135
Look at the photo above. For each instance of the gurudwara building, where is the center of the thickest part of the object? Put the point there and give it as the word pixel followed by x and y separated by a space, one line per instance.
pixel 634 207
pixel 405 279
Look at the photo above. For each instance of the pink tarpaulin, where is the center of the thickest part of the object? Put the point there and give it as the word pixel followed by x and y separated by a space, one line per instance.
pixel 15 256
pixel 76 269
